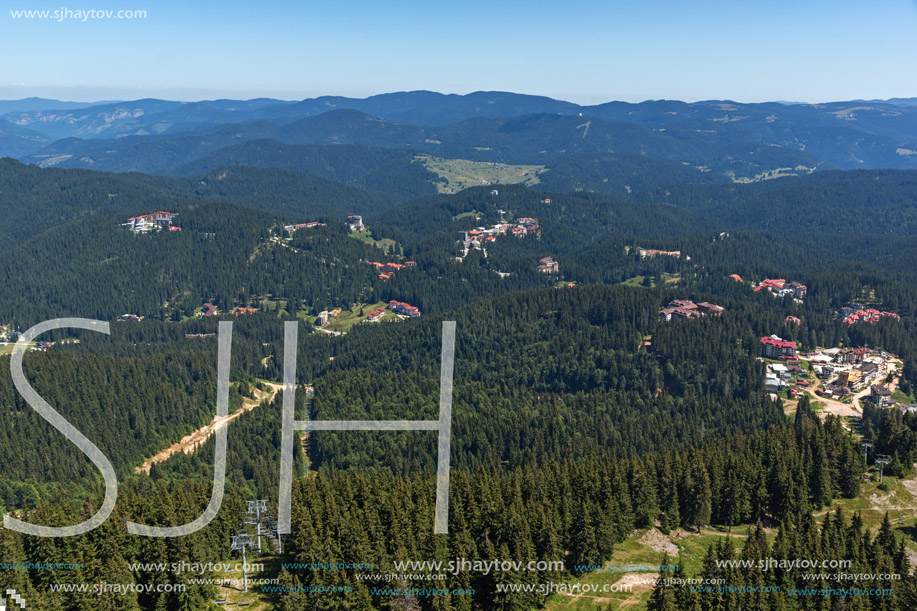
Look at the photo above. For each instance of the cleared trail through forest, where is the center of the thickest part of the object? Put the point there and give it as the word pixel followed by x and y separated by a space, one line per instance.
pixel 189 443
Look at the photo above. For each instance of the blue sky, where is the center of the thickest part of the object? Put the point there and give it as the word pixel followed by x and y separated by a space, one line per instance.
pixel 579 50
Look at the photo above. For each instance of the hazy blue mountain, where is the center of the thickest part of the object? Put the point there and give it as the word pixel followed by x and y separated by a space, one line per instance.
pixel 426 107
pixel 536 139
pixel 103 121
pixel 147 153
pixel 17 141
pixel 37 104
pixel 200 115
pixel 721 138
pixel 900 101
pixel 436 109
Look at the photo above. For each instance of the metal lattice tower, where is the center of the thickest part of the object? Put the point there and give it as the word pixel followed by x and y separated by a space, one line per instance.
pixel 265 524
pixel 243 541
pixel 257 509
pixel 866 445
pixel 881 460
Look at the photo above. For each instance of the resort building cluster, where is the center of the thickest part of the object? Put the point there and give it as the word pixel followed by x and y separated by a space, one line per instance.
pixel 376 314
pixel 842 375
pixel 684 309
pixel 477 238
pixel 649 253
pixel 154 221
pixel 403 309
pixel 387 270
pixel 547 265
pixel 292 228
pixel 398 307
pixel 779 287
pixel 856 313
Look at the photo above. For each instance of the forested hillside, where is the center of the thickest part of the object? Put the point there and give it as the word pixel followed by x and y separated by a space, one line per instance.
pixel 526 139
pixel 581 419
pixel 378 169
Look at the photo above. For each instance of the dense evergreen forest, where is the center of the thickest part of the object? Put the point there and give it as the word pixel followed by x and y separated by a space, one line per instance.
pixel 584 506
pixel 578 415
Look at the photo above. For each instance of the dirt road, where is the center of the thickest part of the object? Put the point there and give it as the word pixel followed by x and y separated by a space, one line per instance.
pixel 189 443
pixel 852 409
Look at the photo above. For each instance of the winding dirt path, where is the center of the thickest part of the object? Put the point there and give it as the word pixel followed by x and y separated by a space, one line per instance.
pixel 189 443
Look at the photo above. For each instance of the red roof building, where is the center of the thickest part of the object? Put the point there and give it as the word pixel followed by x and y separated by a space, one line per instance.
pixel 405 309
pixel 774 347
pixel 771 283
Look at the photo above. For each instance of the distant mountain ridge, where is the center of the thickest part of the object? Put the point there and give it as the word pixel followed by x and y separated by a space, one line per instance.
pixel 37 104
pixel 731 140
pixel 415 107
pixel 525 139
pixel 16 141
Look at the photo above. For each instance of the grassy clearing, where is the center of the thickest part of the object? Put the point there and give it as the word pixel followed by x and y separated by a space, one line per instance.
pixel 8 349
pixel 274 306
pixel 348 318
pixel 627 552
pixel 465 215
pixel 899 500
pixel 459 174
pixel 386 244
pixel 691 550
pixel 253 600
pixel 654 280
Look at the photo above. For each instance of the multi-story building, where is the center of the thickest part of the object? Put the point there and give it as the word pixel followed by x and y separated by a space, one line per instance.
pixel 881 395
pixel 548 265
pixel 776 348
pixel 405 309
pixel 868 372
pixel 851 355
pixel 355 222
pixel 848 378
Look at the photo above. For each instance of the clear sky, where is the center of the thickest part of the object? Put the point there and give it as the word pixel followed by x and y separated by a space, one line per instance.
pixel 580 50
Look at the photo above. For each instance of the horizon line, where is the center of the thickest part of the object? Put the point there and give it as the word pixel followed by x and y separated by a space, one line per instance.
pixel 293 100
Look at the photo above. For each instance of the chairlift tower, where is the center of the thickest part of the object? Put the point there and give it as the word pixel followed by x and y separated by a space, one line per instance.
pixel 243 541
pixel 257 508
pixel 265 524
pixel 866 445
pixel 881 460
